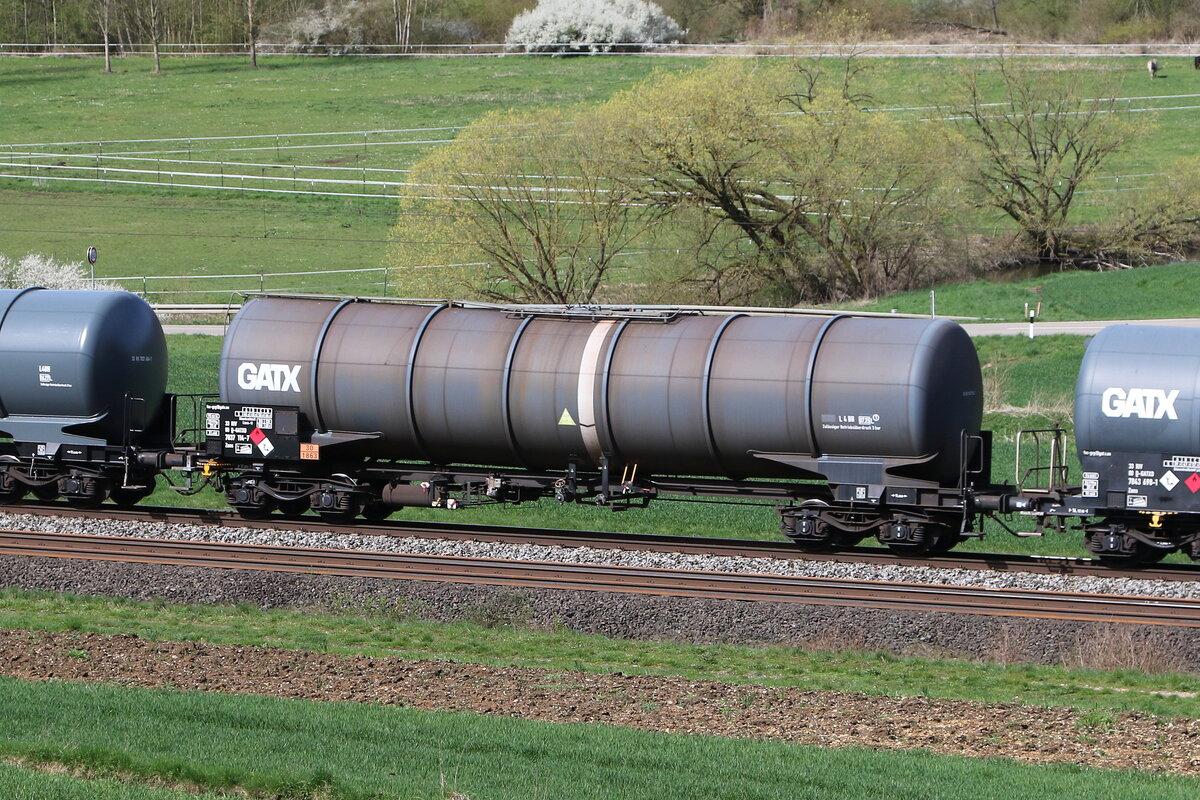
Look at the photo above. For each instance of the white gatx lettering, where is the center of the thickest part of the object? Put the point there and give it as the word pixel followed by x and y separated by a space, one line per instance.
pixel 272 377
pixel 1143 403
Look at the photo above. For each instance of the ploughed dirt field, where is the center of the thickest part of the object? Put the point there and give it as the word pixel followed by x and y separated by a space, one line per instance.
pixel 668 704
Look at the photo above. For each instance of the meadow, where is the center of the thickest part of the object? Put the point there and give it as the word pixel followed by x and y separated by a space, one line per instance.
pixel 62 738
pixel 294 124
pixel 264 747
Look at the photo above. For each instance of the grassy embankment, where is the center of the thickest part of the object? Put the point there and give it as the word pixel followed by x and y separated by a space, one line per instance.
pixel 287 748
pixel 292 749
pixel 1165 291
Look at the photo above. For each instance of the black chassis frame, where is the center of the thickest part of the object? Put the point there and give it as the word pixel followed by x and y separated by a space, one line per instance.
pixel 832 501
pixel 1133 505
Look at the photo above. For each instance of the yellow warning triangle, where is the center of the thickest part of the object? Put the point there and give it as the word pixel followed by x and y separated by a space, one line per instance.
pixel 565 419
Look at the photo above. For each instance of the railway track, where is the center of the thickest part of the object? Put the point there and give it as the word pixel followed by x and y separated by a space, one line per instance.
pixel 735 548
pixel 607 578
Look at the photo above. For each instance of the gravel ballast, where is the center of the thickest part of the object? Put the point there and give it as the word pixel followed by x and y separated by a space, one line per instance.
pixel 630 558
pixel 627 616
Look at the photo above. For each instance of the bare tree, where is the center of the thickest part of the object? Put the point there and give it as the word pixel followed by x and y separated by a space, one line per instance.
pixel 104 31
pixel 155 34
pixel 404 13
pixel 832 202
pixel 1037 143
pixel 522 203
pixel 252 33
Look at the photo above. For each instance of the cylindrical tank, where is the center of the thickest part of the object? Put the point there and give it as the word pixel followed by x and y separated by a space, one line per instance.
pixel 1139 391
pixel 687 395
pixel 67 355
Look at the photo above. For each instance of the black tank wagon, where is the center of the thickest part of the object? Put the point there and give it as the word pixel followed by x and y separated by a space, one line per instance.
pixel 1137 431
pixel 83 379
pixel 355 406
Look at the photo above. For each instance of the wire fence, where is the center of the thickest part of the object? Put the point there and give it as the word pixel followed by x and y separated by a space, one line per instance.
pixel 675 49
pixel 199 289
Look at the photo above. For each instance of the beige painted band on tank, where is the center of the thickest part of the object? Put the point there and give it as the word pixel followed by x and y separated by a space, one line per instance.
pixel 589 366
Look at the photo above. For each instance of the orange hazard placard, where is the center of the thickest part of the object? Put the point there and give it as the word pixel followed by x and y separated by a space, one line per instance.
pixel 310 452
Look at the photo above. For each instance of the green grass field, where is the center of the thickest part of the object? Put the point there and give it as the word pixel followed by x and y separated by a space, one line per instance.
pixel 335 751
pixel 386 114
pixel 1162 291
pixel 395 629
pixel 158 742
pixel 185 232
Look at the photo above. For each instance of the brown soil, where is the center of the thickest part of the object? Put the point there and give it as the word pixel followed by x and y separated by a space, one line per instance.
pixel 668 704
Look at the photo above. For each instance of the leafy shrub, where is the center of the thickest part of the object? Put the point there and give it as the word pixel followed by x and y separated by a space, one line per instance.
pixel 591 26
pixel 1134 30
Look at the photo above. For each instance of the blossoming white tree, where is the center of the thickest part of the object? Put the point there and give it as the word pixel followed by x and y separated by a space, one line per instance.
pixel 35 269
pixel 593 26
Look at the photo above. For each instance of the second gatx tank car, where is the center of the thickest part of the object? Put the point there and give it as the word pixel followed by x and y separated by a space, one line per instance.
pixel 851 426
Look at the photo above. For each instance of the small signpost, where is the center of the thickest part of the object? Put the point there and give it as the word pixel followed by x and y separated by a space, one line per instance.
pixel 91 257
pixel 1032 313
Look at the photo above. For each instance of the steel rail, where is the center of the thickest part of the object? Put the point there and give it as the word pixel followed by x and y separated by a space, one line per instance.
pixel 734 548
pixel 607 578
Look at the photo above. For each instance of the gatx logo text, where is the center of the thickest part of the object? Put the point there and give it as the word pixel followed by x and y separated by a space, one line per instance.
pixel 1144 403
pixel 272 377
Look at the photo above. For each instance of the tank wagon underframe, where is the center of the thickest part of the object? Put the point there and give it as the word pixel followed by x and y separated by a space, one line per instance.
pixel 811 513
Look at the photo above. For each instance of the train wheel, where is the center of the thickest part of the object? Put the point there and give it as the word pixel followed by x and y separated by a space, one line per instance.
pixel 916 538
pixel 376 512
pixel 47 492
pixel 1114 547
pixel 260 511
pixel 338 503
pixel 907 549
pixel 903 538
pixel 86 501
pixel 129 496
pixel 337 517
pixel 249 501
pixel 11 489
pixel 1152 555
pixel 815 535
pixel 946 540
pixel 295 508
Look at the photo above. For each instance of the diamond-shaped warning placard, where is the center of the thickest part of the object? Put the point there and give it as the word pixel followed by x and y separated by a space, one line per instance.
pixel 1193 482
pixel 257 436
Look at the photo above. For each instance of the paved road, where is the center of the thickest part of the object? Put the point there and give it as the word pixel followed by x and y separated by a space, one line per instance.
pixel 206 330
pixel 974 328
pixel 1078 328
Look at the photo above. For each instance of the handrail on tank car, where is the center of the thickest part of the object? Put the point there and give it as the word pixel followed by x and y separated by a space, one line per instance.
pixel 1055 472
pixel 597 310
pixel 191 436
